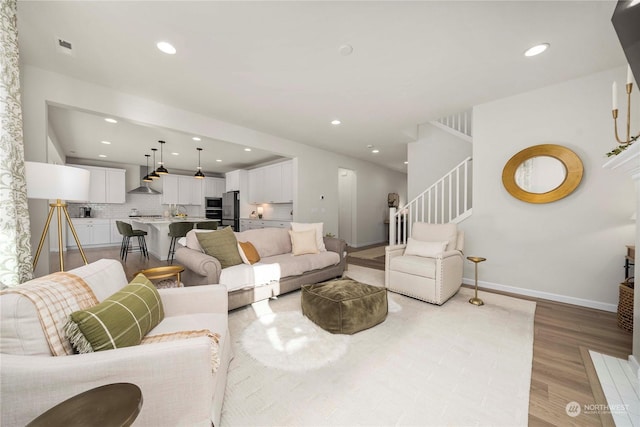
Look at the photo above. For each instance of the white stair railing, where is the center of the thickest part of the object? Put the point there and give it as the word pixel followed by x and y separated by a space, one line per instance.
pixel 447 200
pixel 458 124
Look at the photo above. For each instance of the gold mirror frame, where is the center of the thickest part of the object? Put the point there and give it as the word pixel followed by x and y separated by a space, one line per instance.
pixel 569 159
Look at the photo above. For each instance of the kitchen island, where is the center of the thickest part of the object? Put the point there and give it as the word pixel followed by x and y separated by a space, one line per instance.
pixel 157 229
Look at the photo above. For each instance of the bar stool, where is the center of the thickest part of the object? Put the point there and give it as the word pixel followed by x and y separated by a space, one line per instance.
pixel 176 231
pixel 207 225
pixel 127 233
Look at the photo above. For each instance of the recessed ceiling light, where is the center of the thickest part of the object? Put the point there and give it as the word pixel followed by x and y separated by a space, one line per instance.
pixel 335 122
pixel 536 50
pixel 218 160
pixel 102 155
pixel 105 142
pixel 110 120
pixel 166 47
pixel 247 149
pixel 195 138
pixel 406 163
pixel 375 151
pixel 175 154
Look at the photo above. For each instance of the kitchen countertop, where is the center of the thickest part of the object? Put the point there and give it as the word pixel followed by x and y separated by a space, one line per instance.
pixel 169 220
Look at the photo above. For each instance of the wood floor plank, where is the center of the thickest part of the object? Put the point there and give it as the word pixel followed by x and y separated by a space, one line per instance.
pixel 562 332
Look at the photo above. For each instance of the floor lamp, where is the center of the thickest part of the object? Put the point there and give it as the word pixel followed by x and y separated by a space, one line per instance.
pixel 57 182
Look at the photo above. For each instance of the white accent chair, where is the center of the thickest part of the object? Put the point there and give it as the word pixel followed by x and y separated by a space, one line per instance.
pixel 176 378
pixel 429 267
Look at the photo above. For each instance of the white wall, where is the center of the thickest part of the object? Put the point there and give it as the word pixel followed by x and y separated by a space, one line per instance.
pixel 434 154
pixel 572 249
pixel 317 169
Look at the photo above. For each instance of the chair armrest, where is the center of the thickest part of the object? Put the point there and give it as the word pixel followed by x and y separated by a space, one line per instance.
pixel 449 254
pixel 391 252
pixel 199 263
pixel 172 375
pixel 394 250
pixel 194 299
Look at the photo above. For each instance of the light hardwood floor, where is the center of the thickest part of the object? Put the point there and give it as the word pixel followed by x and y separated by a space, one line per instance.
pixel 561 371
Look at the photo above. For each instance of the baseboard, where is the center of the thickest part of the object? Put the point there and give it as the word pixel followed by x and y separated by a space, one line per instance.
pixel 360 245
pixel 544 295
pixel 635 366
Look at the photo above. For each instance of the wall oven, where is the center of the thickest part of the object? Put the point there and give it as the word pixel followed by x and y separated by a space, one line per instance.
pixel 213 208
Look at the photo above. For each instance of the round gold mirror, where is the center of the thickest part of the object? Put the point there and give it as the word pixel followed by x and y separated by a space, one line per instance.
pixel 542 173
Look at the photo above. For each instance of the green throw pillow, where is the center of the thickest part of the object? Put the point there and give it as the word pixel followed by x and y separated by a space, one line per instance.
pixel 121 320
pixel 221 244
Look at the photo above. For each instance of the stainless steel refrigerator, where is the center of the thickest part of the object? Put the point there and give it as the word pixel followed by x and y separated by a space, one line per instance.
pixel 231 210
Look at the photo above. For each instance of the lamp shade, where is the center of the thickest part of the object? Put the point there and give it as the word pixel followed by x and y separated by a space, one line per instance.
pixel 49 181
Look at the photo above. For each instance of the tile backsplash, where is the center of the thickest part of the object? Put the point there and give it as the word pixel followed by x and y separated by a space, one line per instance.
pixel 146 204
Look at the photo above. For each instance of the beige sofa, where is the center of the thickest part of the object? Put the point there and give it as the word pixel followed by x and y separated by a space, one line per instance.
pixel 176 378
pixel 277 272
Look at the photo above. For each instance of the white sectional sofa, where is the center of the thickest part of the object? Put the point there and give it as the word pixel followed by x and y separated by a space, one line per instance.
pixel 277 272
pixel 176 378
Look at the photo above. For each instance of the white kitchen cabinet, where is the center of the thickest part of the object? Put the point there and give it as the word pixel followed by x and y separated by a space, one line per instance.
pixel 256 186
pixel 169 189
pixel 232 180
pixel 252 224
pixel 181 190
pixel 115 186
pixel 106 185
pixel 214 187
pixel 271 184
pixel 91 232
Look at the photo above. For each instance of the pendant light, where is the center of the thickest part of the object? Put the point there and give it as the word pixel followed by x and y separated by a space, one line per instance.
pixel 161 169
pixel 153 174
pixel 147 178
pixel 199 174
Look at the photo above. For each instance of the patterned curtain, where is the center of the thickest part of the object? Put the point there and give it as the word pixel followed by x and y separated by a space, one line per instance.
pixel 15 247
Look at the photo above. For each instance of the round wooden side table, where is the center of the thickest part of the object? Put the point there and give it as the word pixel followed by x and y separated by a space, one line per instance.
pixel 476 260
pixel 109 405
pixel 161 274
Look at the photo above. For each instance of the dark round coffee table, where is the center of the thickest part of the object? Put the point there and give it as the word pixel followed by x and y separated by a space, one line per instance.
pixel 105 406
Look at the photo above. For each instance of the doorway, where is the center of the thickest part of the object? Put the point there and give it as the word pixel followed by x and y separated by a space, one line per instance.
pixel 347 197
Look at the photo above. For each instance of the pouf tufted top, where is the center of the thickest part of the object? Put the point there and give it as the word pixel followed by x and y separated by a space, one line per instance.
pixel 344 306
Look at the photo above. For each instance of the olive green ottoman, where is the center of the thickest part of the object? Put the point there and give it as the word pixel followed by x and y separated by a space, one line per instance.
pixel 344 306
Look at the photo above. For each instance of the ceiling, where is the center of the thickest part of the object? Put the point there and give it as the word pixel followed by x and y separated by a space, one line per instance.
pixel 277 67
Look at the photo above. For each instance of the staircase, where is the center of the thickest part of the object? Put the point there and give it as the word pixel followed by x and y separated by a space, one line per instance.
pixel 447 200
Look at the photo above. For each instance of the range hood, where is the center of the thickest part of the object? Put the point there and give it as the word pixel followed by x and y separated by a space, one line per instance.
pixel 144 188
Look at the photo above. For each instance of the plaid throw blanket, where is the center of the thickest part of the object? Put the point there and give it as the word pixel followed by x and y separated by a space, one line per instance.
pixel 172 336
pixel 56 296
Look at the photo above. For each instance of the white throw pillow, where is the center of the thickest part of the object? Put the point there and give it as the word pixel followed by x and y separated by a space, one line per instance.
pixel 317 226
pixel 424 249
pixel 303 242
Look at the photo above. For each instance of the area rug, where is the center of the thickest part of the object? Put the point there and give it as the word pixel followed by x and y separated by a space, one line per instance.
pixel 457 364
pixel 372 253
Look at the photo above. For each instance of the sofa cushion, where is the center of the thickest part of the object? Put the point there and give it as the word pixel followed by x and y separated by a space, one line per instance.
pixel 296 265
pixel 416 265
pixel 249 275
pixel 248 253
pixel 303 242
pixel 267 241
pixel 317 226
pixel 122 320
pixel 222 245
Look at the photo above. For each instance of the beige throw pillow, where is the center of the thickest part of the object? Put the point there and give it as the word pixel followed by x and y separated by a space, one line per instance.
pixel 317 226
pixel 303 242
pixel 424 249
